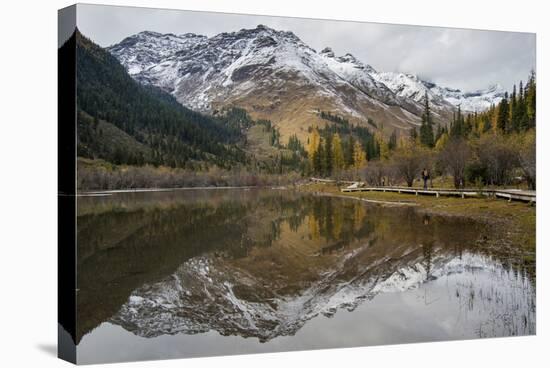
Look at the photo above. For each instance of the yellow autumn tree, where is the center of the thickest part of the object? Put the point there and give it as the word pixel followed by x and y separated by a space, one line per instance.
pixel 338 162
pixel 384 147
pixel 313 146
pixel 359 156
pixel 441 142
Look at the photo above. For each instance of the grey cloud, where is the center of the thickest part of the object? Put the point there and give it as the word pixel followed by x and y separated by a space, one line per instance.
pixel 459 58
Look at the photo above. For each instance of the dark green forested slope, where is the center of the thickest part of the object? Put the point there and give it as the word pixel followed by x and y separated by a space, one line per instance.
pixel 124 122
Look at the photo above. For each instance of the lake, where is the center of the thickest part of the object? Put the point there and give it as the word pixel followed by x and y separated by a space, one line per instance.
pixel 228 271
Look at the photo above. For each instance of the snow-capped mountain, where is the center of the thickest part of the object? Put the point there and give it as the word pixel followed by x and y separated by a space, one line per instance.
pixel 410 86
pixel 474 101
pixel 359 75
pixel 274 75
pixel 151 48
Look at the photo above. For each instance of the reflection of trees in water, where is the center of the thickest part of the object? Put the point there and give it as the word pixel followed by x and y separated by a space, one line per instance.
pixel 336 219
pixel 127 242
pixel 295 222
pixel 118 251
pixel 338 223
pixel 313 225
pixel 360 212
pixel 427 252
pixel 121 249
pixel 389 247
pixel 327 218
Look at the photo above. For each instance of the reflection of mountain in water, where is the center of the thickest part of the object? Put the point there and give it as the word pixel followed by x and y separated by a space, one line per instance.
pixel 127 240
pixel 205 294
pixel 255 263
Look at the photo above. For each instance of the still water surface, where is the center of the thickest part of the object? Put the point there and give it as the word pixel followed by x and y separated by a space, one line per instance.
pixel 212 272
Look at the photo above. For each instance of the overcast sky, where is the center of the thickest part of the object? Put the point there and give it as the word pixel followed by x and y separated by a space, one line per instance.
pixel 458 58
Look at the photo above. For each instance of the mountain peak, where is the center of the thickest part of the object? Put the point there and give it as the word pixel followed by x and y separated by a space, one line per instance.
pixel 191 35
pixel 327 51
pixel 149 33
pixel 349 58
pixel 493 88
pixel 269 36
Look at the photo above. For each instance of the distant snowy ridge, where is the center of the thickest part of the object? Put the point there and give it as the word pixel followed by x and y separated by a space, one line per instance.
pixel 412 87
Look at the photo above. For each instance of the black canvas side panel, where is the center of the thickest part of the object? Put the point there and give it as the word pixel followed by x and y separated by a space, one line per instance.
pixel 66 176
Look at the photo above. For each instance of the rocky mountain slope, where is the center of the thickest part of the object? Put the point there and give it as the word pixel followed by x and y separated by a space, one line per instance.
pixel 125 122
pixel 274 75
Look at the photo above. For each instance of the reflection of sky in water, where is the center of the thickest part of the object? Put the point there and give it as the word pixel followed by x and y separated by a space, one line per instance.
pixel 289 271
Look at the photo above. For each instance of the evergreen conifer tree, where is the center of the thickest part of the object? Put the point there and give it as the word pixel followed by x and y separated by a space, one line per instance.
pixel 503 114
pixel 349 152
pixel 426 129
pixel 514 111
pixel 531 100
pixel 318 159
pixel 392 143
pixel 328 156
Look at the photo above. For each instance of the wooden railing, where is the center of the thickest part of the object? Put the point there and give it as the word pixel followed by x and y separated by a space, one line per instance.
pixel 510 194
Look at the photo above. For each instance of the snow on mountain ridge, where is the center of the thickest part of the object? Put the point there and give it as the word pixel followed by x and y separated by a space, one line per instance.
pixel 147 49
pixel 229 60
pixel 352 70
pixel 410 86
pixel 258 65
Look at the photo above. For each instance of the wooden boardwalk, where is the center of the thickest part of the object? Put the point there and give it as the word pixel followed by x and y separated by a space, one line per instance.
pixel 509 194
